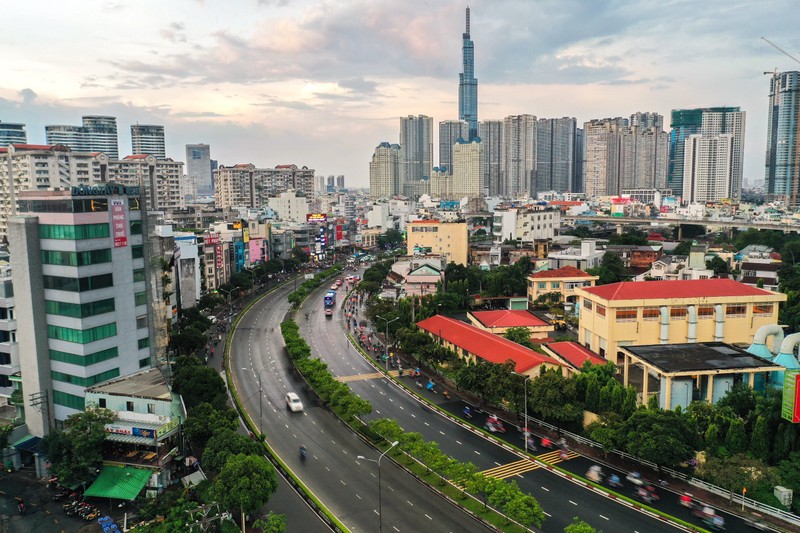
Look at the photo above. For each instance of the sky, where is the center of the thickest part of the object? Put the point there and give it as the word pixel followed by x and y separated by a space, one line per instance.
pixel 321 83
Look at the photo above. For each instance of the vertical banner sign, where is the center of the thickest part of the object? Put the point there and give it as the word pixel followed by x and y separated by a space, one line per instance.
pixel 118 223
pixel 220 259
pixel 791 396
pixel 338 233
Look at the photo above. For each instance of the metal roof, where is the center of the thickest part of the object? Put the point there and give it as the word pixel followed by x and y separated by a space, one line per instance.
pixel 147 384
pixel 699 357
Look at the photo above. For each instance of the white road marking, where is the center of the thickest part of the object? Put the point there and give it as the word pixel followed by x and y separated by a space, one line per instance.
pixel 459 442
pixel 603 517
pixel 545 489
pixel 428 517
pixel 572 502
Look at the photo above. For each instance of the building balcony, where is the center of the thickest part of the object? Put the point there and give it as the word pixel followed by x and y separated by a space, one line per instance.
pixel 8 324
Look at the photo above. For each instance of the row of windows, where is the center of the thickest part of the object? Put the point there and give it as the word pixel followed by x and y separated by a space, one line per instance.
pixel 74 232
pixel 96 205
pixel 68 400
pixel 85 382
pixel 89 283
pixel 424 229
pixel 80 310
pixel 84 360
pixel 76 259
pixel 82 336
pixel 705 312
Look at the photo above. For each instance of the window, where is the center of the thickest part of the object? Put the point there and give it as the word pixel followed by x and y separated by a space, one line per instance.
pixel 79 310
pixel 601 310
pixel 677 313
pixel 84 360
pixel 129 406
pixel 151 408
pixel 651 313
pixel 73 232
pixel 5 358
pixel 85 382
pixel 68 400
pixel 140 298
pixel 627 314
pixel 141 322
pixel 555 285
pixel 735 311
pixel 90 283
pixel 92 257
pixel 138 274
pixel 705 312
pixel 144 362
pixel 144 343
pixel 82 336
pixel 763 309
pixel 542 284
pixel 136 227
pixel 137 251
pixel 101 402
pixel 587 304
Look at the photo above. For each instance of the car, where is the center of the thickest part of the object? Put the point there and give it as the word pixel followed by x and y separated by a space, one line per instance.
pixel 328 311
pixel 293 402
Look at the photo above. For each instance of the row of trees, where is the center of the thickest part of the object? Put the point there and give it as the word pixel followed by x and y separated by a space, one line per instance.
pixel 298 295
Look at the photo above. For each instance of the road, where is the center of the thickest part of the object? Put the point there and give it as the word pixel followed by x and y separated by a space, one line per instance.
pixel 561 499
pixel 332 472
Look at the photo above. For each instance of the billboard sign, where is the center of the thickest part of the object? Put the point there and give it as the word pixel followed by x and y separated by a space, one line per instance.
pixel 211 238
pixel 790 409
pixel 317 218
pixel 119 223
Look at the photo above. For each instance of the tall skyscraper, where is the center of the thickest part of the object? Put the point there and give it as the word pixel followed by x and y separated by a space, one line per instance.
pixel 601 171
pixel 644 153
pixel 555 154
pixel 384 171
pixel 491 134
pixel 198 167
pixel 519 156
pixel 577 178
pixel 11 133
pixel 782 177
pixel 80 266
pixel 148 139
pixel 97 134
pixel 340 182
pixel 707 121
pixel 416 153
pixel 468 86
pixel 449 132
pixel 708 168
pixel 468 169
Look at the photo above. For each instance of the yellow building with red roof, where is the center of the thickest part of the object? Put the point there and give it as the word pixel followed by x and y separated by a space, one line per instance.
pixel 564 281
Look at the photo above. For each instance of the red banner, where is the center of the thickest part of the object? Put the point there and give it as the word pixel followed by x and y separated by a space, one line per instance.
pixel 338 233
pixel 119 223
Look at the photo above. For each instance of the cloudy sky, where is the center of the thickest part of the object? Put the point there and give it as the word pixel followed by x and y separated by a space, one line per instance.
pixel 321 83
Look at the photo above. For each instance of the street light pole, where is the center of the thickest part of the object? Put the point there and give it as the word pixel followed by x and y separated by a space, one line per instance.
pixel 386 340
pixel 380 497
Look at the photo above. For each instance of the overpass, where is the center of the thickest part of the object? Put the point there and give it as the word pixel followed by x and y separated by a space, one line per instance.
pixel 620 222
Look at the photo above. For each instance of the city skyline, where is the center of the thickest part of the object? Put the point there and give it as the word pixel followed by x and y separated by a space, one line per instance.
pixel 274 82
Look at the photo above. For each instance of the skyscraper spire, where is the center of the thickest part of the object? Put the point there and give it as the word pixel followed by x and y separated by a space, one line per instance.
pixel 468 86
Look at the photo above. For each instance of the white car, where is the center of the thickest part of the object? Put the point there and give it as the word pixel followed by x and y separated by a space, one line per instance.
pixel 293 402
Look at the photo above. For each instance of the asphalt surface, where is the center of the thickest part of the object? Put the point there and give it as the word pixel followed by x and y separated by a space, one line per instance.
pixel 346 485
pixel 560 498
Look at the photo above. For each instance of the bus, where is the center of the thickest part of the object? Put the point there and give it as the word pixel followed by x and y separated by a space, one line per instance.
pixel 330 299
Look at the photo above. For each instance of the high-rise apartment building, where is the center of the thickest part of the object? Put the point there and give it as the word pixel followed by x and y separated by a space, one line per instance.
pixel 148 139
pixel 384 171
pixel 708 168
pixel 449 132
pixel 340 182
pixel 416 153
pixel 491 134
pixel 11 133
pixel 782 177
pixel 244 185
pixel 577 179
pixel 468 169
pixel 198 167
pixel 555 154
pixel 644 153
pixel 519 156
pixel 97 134
pixel 601 171
pixel 468 86
pixel 709 121
pixel 163 186
pixel 80 286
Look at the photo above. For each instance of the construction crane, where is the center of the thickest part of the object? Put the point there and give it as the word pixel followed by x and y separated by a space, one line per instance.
pixel 781 50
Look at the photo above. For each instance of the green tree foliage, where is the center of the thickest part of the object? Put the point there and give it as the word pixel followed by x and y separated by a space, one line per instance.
pixel 188 341
pixel 75 451
pixel 658 436
pixel 631 236
pixel 718 265
pixel 737 472
pixel 552 397
pixel 521 335
pixel 736 440
pixel 245 483
pixel 579 526
pixel 299 255
pixel 198 383
pixel 204 420
pixel 683 248
pixel 392 237
pixel 273 523
pixel 224 443
pixel 611 269
pixel 525 509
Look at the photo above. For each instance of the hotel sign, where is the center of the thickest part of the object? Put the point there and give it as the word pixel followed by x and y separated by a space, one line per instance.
pixel 104 190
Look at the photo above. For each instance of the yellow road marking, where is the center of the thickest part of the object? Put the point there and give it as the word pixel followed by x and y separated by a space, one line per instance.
pixel 360 377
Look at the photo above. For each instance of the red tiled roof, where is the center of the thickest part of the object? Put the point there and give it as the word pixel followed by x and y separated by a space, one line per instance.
pixel 284 166
pixel 137 156
pixel 483 344
pixel 575 353
pixel 654 290
pixel 434 221
pixel 242 165
pixel 565 202
pixel 33 146
pixel 505 318
pixel 563 272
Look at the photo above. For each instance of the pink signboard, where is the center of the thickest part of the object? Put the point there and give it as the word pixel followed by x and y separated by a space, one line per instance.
pixel 119 224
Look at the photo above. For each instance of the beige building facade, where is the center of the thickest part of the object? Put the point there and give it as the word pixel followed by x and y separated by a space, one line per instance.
pixel 442 238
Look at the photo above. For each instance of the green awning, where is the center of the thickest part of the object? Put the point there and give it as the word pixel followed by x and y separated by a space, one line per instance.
pixel 120 483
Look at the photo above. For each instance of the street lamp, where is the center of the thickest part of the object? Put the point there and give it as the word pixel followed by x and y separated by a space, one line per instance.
pixel 386 341
pixel 227 294
pixel 260 404
pixel 526 434
pixel 380 500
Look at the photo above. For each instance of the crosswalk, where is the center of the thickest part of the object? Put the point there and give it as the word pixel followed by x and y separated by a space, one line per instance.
pixel 361 377
pixel 526 465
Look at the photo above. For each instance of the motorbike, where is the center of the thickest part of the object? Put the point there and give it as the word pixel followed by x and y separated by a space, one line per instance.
pixel 494 425
pixel 614 481
pixel 467 412
pixel 21 506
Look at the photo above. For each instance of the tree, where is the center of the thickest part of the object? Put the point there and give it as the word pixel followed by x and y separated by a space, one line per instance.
pixel 611 269
pixel 718 265
pixel 245 483
pixel 579 526
pixel 198 384
pixel 736 439
pixel 736 472
pixel 204 420
pixel 391 239
pixel 273 523
pixel 299 255
pixel 657 436
pixel 75 451
pixel 224 443
pixel 683 248
pixel 188 341
pixel 524 509
pixel 521 335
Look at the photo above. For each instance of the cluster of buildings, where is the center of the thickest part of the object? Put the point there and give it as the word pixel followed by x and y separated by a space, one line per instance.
pixel 698 160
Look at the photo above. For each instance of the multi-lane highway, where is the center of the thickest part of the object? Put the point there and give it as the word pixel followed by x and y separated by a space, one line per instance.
pixel 332 472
